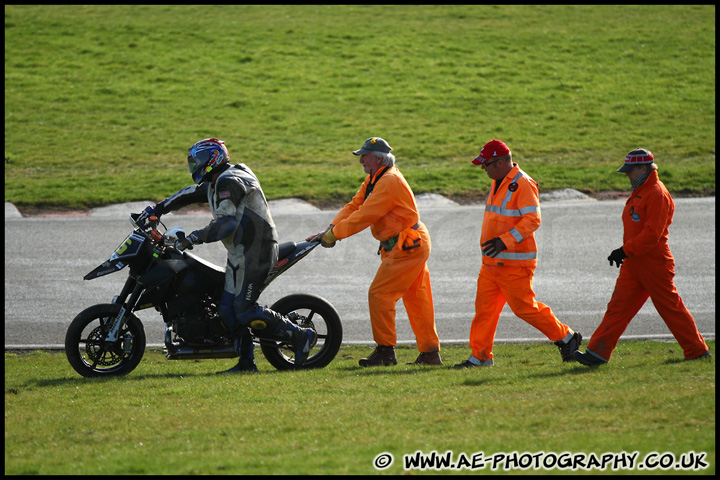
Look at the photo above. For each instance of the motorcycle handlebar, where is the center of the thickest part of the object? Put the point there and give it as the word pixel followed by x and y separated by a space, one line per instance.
pixel 150 224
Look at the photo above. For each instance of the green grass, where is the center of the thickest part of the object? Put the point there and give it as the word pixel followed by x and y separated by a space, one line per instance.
pixel 179 418
pixel 102 102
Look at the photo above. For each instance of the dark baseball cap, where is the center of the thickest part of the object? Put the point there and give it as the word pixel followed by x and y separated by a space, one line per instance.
pixel 639 156
pixel 373 144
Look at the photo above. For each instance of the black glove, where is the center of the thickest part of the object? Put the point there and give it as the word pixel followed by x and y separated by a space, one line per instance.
pixel 186 243
pixel 492 247
pixel 617 256
pixel 146 214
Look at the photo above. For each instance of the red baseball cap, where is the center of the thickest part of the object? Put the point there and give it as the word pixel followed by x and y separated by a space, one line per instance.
pixel 493 148
pixel 639 156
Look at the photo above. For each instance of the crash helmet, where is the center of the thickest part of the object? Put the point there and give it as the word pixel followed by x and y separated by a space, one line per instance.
pixel 205 156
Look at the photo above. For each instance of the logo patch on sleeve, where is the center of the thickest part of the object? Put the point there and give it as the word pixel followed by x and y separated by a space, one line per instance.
pixel 223 195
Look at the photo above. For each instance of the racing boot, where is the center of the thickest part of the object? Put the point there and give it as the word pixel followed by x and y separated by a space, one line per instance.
pixel 381 356
pixel 274 326
pixel 303 341
pixel 244 347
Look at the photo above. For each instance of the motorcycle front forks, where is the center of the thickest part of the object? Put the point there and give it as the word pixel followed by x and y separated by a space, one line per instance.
pixel 119 321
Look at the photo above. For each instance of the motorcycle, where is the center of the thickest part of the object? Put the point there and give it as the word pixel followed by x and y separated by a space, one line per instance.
pixel 109 339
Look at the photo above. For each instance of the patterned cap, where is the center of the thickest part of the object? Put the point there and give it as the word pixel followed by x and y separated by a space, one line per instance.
pixel 639 156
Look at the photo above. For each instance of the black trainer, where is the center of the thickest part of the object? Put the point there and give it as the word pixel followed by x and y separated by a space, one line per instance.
pixel 567 349
pixel 588 359
pixel 468 364
pixel 704 355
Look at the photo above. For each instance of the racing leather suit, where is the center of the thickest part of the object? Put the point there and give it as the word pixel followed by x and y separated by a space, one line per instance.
pixel 647 272
pixel 242 221
pixel 386 204
pixel 512 212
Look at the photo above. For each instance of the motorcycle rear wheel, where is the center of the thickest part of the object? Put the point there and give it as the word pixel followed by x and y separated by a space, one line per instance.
pixel 91 356
pixel 307 311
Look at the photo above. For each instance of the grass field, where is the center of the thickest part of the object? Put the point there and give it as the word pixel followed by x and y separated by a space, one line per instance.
pixel 175 417
pixel 102 102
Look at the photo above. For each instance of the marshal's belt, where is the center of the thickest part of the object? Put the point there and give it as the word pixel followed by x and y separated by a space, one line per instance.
pixel 390 243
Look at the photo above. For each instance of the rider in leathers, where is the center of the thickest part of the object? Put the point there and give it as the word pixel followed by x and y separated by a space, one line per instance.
pixel 242 221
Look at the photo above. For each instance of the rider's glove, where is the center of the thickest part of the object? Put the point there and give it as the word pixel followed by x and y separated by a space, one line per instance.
pixel 492 247
pixel 329 239
pixel 184 244
pixel 187 242
pixel 617 256
pixel 146 214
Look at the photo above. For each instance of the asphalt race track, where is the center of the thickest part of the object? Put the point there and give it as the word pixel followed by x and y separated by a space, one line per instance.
pixel 46 259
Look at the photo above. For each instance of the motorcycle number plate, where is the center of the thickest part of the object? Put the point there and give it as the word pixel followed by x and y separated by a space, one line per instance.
pixel 129 248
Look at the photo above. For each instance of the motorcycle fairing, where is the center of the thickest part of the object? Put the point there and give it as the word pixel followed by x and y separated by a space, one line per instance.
pixel 128 249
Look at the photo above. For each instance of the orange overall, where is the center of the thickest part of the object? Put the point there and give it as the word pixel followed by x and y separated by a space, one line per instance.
pixel 647 272
pixel 513 214
pixel 392 215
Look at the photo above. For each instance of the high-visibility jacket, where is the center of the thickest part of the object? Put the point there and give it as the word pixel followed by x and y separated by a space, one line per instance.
pixel 647 272
pixel 388 210
pixel 513 214
pixel 646 217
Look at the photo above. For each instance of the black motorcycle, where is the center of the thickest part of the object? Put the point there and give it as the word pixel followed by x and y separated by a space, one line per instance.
pixel 108 339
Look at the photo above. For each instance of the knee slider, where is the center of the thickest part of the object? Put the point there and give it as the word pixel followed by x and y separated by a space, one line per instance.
pixel 258 324
pixel 256 318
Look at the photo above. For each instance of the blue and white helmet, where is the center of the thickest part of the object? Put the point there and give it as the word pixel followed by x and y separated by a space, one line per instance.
pixel 206 155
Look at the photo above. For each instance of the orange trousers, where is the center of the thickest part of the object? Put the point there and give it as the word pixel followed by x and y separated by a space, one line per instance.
pixel 404 274
pixel 641 278
pixel 498 285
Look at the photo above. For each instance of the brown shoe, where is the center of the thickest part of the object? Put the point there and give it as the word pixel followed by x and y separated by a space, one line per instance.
pixel 429 358
pixel 381 356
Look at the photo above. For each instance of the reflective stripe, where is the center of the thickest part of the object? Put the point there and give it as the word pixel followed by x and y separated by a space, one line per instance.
pixel 512 219
pixel 508 195
pixel 516 235
pixel 510 212
pixel 517 255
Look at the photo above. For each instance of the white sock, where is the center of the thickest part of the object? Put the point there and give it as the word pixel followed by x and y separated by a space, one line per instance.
pixel 474 360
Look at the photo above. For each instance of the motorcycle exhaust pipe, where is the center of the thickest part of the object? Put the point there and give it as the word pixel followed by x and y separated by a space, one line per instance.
pixel 190 353
pixel 175 351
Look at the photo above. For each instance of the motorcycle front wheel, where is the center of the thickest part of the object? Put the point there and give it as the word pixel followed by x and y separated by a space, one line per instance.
pixel 307 311
pixel 88 352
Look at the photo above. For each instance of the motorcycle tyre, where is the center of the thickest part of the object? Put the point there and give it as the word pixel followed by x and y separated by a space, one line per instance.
pixel 94 313
pixel 332 342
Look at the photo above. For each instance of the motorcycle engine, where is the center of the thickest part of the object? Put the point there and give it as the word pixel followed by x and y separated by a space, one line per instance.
pixel 197 323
